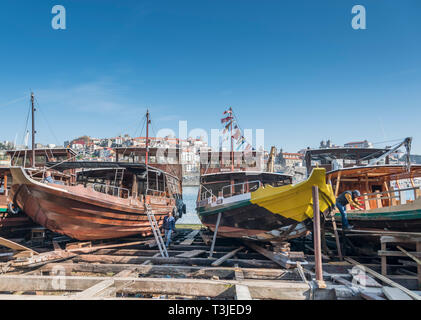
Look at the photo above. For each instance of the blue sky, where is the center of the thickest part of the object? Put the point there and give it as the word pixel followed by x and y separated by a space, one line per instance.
pixel 294 68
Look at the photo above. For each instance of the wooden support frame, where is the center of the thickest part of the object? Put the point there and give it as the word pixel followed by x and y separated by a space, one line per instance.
pixel 215 233
pixel 190 287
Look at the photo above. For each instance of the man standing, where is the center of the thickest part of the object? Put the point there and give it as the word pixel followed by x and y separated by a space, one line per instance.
pixel 169 226
pixel 347 197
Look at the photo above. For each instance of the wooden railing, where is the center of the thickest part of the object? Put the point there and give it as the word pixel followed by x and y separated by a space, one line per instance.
pixel 394 197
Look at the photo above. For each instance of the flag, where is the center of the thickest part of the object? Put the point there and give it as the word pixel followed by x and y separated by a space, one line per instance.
pixel 223 120
pixel 228 111
pixel 237 134
pixel 241 141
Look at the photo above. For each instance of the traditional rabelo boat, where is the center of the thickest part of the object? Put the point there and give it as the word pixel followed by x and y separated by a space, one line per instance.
pixel 107 199
pixel 11 217
pixel 390 196
pixel 244 201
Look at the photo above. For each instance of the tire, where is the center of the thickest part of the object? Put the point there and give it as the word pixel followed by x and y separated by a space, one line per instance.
pixel 12 208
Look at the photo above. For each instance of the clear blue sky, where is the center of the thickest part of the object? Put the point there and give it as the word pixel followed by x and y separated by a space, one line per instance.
pixel 294 68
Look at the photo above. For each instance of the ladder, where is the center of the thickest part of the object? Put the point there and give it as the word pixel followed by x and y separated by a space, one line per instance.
pixel 156 231
pixel 119 175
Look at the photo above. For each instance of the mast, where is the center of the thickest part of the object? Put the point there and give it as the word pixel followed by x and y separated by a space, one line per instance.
pixel 147 137
pixel 232 142
pixel 33 131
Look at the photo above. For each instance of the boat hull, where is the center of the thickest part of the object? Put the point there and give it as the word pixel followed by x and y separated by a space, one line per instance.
pixel 244 220
pixel 82 213
pixel 405 218
pixel 267 211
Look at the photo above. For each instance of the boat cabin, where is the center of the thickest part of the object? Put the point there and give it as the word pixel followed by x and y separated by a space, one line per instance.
pixel 228 184
pixel 124 180
pixel 380 186
pixel 218 180
pixel 23 158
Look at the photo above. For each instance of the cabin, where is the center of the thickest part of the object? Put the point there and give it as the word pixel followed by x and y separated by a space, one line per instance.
pixel 23 158
pixel 380 186
pixel 220 177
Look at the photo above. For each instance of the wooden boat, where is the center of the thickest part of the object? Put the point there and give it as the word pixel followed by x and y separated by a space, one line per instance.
pixel 108 201
pixel 255 204
pixel 11 218
pixel 103 200
pixel 389 195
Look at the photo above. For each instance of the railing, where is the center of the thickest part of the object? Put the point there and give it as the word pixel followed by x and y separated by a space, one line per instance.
pixel 232 187
pixel 111 190
pixel 156 193
pixel 394 197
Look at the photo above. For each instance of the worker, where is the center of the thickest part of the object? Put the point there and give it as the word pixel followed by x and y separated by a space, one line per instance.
pixel 347 197
pixel 48 178
pixel 169 226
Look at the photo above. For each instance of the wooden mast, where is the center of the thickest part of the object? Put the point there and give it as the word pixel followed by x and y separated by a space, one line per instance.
pixel 33 131
pixel 147 137
pixel 232 142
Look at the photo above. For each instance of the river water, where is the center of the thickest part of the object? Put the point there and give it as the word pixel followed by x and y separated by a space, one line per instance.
pixel 189 198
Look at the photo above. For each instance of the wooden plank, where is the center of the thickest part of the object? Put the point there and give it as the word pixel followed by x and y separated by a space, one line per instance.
pixel 400 237
pixel 242 292
pixel 191 287
pixel 371 296
pixel 365 280
pixel 409 254
pixel 172 260
pixel 95 290
pixel 388 253
pixel 384 279
pixel 175 270
pixel 392 293
pixel 226 257
pixel 116 245
pixel 190 254
pixel 189 239
pixel 15 246
pixel 278 259
pixel 148 262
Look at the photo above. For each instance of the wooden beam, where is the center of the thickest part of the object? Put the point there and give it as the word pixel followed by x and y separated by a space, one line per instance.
pixel 392 293
pixel 175 270
pixel 190 287
pixel 384 279
pixel 280 260
pixel 190 254
pixel 242 292
pixel 418 261
pixel 226 257
pixel 15 246
pixel 189 239
pixel 172 260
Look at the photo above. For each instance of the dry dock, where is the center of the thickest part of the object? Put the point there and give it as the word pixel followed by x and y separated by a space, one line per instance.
pixel 134 269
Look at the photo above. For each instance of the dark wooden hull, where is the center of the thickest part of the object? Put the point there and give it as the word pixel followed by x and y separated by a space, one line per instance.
pixel 405 218
pixel 245 220
pixel 85 214
pixel 410 225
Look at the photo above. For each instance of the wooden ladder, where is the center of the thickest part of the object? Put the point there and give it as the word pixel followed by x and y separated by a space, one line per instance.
pixel 156 231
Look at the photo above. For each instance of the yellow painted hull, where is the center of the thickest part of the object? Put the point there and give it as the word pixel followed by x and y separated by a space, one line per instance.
pixel 296 201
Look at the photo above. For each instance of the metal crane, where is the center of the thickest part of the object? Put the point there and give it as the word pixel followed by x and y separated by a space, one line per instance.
pixel 406 142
